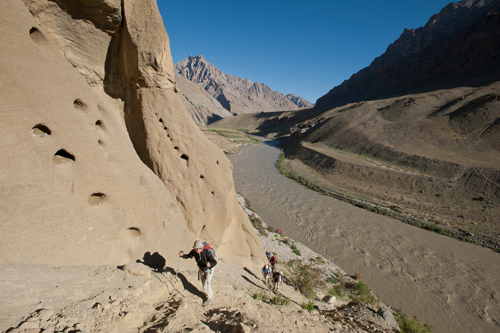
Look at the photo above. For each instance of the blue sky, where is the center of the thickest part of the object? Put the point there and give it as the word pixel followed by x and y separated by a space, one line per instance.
pixel 305 47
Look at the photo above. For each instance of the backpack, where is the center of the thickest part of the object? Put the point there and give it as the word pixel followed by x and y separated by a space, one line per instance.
pixel 206 246
pixel 274 260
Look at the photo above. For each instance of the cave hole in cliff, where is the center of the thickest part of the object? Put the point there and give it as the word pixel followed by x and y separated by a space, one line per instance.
pixel 79 105
pixel 40 130
pixel 62 156
pixel 164 128
pixel 96 199
pixel 202 177
pixel 100 143
pixel 217 161
pixel 37 36
pixel 99 124
pixel 160 120
pixel 185 157
pixel 212 193
pixel 134 230
pixel 176 148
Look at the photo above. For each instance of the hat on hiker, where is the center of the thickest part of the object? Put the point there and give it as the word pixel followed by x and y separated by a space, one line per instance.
pixel 198 244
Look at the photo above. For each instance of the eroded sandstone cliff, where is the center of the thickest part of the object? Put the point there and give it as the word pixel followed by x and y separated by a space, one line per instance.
pixel 102 163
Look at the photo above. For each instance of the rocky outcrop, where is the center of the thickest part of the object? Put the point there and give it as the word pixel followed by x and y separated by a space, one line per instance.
pixel 101 162
pixel 457 47
pixel 235 94
pixel 201 106
pixel 299 101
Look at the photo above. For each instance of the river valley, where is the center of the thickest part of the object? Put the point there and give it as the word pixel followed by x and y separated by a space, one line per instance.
pixel 451 285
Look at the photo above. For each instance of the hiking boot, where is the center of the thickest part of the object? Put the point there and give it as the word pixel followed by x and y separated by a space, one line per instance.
pixel 207 302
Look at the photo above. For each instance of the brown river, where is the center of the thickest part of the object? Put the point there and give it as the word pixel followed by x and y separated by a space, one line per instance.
pixel 451 285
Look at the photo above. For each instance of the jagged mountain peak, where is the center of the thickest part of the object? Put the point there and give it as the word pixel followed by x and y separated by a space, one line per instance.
pixel 235 94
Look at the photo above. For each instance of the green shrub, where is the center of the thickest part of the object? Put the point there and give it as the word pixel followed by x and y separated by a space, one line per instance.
pixel 261 296
pixel 297 252
pixel 410 325
pixel 256 222
pixel 271 229
pixel 293 247
pixel 338 291
pixel 309 306
pixel 331 280
pixel 306 278
pixel 363 293
pixel 280 300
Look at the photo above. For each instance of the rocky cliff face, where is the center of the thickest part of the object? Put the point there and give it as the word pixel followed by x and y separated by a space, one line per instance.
pixel 101 162
pixel 459 46
pixel 299 101
pixel 235 94
pixel 201 106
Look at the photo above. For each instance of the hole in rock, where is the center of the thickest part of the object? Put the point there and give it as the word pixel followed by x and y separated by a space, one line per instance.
pixel 212 193
pixel 37 36
pixel 160 120
pixel 185 157
pixel 165 128
pixel 79 105
pixel 134 229
pixel 202 177
pixel 100 143
pixel 96 199
pixel 176 148
pixel 99 124
pixel 62 156
pixel 40 130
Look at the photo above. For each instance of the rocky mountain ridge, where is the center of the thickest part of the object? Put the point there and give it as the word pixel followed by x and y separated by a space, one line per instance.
pixel 299 101
pixel 236 95
pixel 458 46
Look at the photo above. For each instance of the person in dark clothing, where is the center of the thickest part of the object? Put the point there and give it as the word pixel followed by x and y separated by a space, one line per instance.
pixel 277 280
pixel 206 263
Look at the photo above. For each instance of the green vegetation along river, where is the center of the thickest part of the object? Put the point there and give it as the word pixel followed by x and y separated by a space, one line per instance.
pixel 451 285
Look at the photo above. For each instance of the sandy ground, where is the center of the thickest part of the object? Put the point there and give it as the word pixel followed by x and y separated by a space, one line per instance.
pixel 451 285
pixel 137 299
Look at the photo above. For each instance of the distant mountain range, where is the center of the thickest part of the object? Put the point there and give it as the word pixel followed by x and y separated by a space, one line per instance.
pixel 230 95
pixel 458 46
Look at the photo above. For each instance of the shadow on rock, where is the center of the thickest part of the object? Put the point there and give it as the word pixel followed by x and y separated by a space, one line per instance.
pixel 186 284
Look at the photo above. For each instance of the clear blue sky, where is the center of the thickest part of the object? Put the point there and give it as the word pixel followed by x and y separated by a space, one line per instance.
pixel 305 47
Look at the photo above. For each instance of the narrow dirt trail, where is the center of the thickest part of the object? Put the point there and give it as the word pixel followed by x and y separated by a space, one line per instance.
pixel 451 285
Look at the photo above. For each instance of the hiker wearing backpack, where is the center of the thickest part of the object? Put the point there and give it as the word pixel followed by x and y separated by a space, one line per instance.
pixel 205 259
pixel 266 272
pixel 273 262
pixel 277 280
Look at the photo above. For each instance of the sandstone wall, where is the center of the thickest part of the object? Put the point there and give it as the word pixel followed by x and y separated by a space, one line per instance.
pixel 102 162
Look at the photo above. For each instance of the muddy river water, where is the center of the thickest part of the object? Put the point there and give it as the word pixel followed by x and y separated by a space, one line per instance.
pixel 451 285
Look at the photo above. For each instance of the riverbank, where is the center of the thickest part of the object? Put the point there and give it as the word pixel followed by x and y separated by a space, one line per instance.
pixel 416 198
pixel 442 281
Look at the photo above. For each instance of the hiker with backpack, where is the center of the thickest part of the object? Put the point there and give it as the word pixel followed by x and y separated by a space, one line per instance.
pixel 273 261
pixel 277 280
pixel 205 260
pixel 266 272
